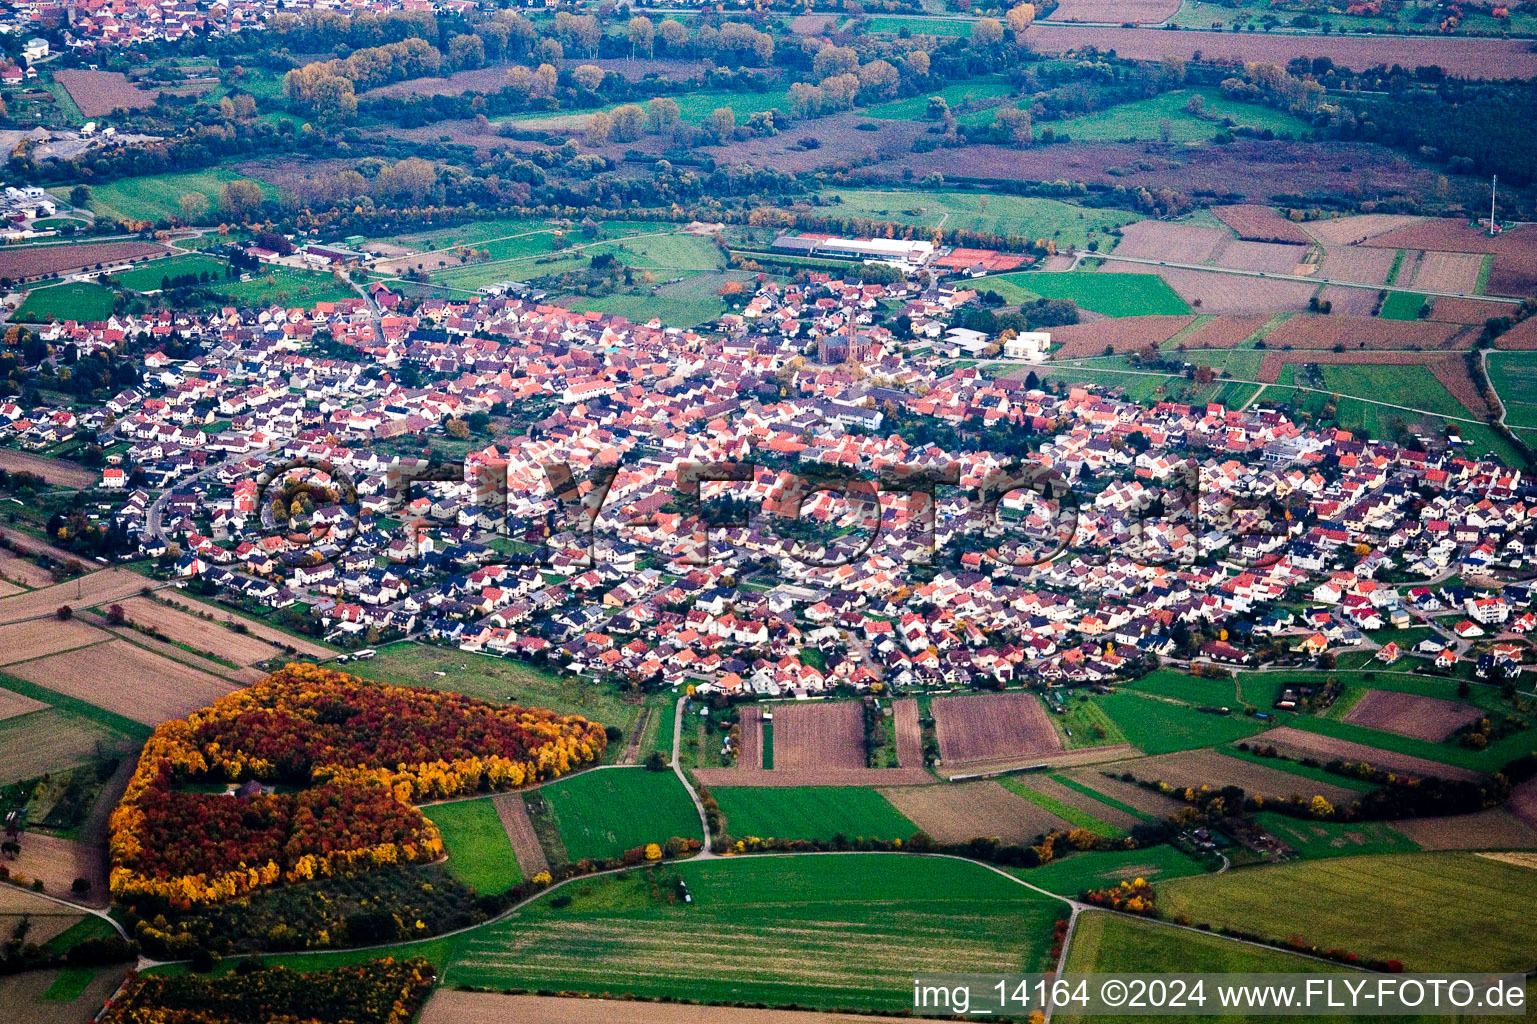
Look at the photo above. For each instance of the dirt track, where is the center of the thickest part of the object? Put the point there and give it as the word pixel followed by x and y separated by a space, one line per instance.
pixel 513 812
pixel 909 734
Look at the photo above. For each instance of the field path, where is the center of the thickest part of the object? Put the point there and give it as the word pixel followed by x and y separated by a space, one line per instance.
pixel 513 812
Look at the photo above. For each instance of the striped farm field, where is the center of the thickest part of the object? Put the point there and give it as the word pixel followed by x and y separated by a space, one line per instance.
pixel 1376 906
pixel 604 813
pixel 824 932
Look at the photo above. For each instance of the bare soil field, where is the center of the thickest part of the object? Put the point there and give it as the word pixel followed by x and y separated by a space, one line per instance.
pixel 126 680
pixel 750 758
pixel 1523 802
pixel 1118 12
pixel 165 649
pixel 1515 250
pixel 1261 224
pixel 1487 830
pixel 1513 274
pixel 95 588
pixel 1271 257
pixel 1211 291
pixel 1521 337
pixel 1344 301
pixel 55 471
pixel 1472 57
pixel 1223 332
pixel 1362 332
pixel 1520 860
pixel 513 812
pixel 1466 311
pixel 1087 804
pixel 58 862
pixel 280 639
pixel 200 634
pixel 838 142
pixel 1207 767
pixel 23 641
pixel 909 733
pixel 481 80
pixel 448 1006
pixel 7 589
pixel 98 93
pixel 1301 743
pixel 13 704
pixel 1448 272
pixel 812 24
pixel 956 813
pixel 993 727
pixel 1174 243
pixel 1122 334
pixel 1344 231
pixel 1128 793
pixel 20 263
pixel 819 736
pixel 1409 714
pixel 1357 264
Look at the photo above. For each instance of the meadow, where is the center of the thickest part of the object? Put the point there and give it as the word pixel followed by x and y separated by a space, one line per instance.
pixel 893 24
pixel 604 813
pixel 1402 306
pixel 286 286
pixel 1514 376
pixel 981 211
pixel 1110 294
pixel 74 300
pixel 1071 875
pixel 1144 119
pixel 826 932
pixel 479 854
pixel 158 196
pixel 913 108
pixel 1315 840
pixel 684 303
pixel 810 812
pixel 1393 907
pixel 1191 689
pixel 1159 727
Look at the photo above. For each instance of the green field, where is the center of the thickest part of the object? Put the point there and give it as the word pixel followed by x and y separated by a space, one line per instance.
pixel 1432 911
pixel 1491 758
pixel 75 300
pixel 1143 119
pixel 146 277
pixel 1159 727
pixel 1314 840
pixel 1005 215
pixel 499 680
pixel 913 108
pixel 606 812
pixel 693 107
pixel 1085 724
pixel 890 24
pixel 1168 682
pixel 159 195
pixel 1110 294
pixel 1514 376
pixel 810 812
pixel 286 286
pixel 828 932
pixel 1402 306
pixel 686 303
pixel 1071 875
pixel 479 854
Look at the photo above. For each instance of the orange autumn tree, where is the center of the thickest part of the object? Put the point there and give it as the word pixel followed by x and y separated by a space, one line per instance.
pixel 350 756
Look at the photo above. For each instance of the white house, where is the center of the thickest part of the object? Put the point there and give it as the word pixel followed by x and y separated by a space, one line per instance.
pixel 1030 345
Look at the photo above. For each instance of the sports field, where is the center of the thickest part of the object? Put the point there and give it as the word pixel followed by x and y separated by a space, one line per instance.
pixel 147 277
pixel 1432 911
pixel 604 813
pixel 810 812
pixel 1159 727
pixel 1110 294
pixel 479 854
pixel 75 300
pixel 829 932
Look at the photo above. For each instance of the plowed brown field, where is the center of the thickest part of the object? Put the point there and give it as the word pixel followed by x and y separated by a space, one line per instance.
pixel 126 680
pixel 909 733
pixel 957 813
pixel 993 727
pixel 1122 334
pixel 1364 332
pixel 818 736
pixel 37 260
pixel 1409 714
pixel 1223 331
pixel 1261 224
pixel 1326 748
